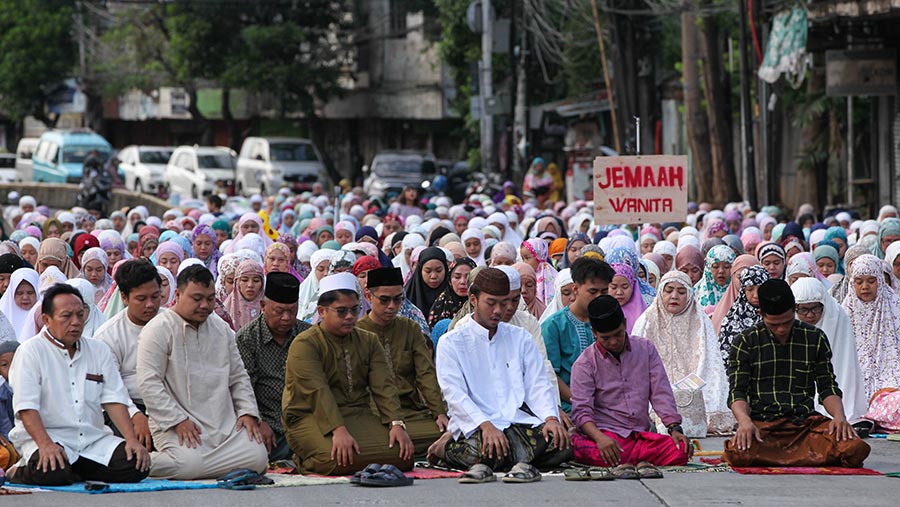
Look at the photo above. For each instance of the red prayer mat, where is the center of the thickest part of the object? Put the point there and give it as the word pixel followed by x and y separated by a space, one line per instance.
pixel 805 471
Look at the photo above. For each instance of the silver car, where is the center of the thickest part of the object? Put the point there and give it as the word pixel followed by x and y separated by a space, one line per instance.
pixel 269 163
pixel 391 171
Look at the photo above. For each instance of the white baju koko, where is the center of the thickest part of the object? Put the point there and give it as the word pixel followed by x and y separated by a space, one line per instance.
pixel 486 379
pixel 121 335
pixel 69 393
pixel 196 373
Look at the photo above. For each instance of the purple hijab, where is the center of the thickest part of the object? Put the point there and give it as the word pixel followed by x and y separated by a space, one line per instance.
pixel 212 262
pixel 635 306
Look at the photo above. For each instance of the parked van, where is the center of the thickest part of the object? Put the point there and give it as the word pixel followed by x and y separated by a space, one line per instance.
pixel 60 154
pixel 269 163
pixel 24 152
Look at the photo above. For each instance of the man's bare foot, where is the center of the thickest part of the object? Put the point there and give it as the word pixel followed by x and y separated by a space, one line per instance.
pixel 435 453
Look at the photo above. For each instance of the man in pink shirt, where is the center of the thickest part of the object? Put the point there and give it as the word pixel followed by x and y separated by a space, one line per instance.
pixel 613 382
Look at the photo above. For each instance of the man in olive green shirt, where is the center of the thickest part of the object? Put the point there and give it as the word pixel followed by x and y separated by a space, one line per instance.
pixel 334 372
pixel 421 406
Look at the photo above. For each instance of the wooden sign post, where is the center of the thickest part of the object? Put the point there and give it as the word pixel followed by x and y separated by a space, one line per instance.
pixel 640 190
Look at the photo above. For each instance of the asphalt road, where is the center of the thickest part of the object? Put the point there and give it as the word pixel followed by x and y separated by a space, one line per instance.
pixel 676 489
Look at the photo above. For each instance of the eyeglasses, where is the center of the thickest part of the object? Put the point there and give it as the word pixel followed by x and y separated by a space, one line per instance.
pixel 387 299
pixel 343 311
pixel 813 310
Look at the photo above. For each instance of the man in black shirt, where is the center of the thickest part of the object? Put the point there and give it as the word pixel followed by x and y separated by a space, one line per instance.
pixel 774 371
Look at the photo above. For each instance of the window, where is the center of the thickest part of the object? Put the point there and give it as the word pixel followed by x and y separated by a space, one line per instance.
pixel 217 161
pixel 77 154
pixel 155 156
pixel 293 152
pixel 398 20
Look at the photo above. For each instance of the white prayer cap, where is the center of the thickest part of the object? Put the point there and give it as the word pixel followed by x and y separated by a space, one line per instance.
pixel 191 261
pixel 338 281
pixel 515 281
pixel 256 198
pixel 12 196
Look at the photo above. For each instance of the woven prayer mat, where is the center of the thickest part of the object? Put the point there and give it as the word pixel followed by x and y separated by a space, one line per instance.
pixel 805 471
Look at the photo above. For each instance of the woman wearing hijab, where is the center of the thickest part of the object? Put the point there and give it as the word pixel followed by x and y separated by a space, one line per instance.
pixel 167 288
pixel 95 269
pixel 309 289
pixel 169 255
pixel 573 246
pixel 534 253
pixel 278 258
pixel 874 311
pixel 33 321
pixel 18 300
pixel 772 257
pixel 687 343
pixel 473 241
pixel 624 288
pixel 429 279
pixel 81 244
pixel 745 312
pixel 244 302
pixel 628 255
pixel 93 318
pixel 53 252
pixel 564 294
pixel 530 302
pixel 114 246
pixel 404 260
pixel 716 277
pixel 455 294
pixel 817 308
pixel 734 289
pixel 888 232
pixel 203 243
pixel 368 234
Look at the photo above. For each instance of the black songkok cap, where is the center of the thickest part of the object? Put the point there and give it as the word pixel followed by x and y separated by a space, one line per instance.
pixel 10 262
pixel 384 277
pixel 282 288
pixel 492 281
pixel 605 314
pixel 775 297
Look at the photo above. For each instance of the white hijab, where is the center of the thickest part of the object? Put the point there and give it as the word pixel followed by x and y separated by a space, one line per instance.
pixel 15 315
pixel 563 278
pixel 477 234
pixel 410 242
pixel 837 327
pixel 95 318
pixel 309 289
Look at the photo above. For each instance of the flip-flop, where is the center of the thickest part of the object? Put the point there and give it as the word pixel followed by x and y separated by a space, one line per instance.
pixel 601 474
pixel 625 471
pixel 389 476
pixel 863 428
pixel 522 473
pixel 648 471
pixel 240 479
pixel 577 474
pixel 365 472
pixel 478 474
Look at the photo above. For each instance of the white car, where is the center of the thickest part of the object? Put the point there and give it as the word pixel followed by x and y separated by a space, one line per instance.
pixel 198 171
pixel 269 163
pixel 144 167
pixel 24 151
pixel 7 168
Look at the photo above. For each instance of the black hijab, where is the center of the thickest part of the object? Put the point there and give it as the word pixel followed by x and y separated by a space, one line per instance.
pixel 417 290
pixel 449 302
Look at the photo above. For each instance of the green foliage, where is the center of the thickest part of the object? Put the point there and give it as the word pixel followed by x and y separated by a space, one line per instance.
pixel 36 53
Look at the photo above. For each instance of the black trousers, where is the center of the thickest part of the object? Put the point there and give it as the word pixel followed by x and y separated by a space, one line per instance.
pixel 120 469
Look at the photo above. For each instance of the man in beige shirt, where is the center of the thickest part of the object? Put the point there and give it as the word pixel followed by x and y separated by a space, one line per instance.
pixel 203 414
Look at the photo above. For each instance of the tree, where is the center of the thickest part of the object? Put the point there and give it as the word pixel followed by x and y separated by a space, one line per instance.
pixel 36 54
pixel 695 116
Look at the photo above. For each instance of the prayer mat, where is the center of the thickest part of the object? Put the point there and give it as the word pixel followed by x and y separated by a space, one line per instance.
pixel 15 491
pixel 290 481
pixel 696 467
pixel 805 471
pixel 137 487
pixel 432 473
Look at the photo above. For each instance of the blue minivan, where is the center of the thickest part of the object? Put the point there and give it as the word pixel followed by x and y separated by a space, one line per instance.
pixel 60 154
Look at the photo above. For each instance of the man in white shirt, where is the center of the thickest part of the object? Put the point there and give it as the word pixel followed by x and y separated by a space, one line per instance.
pixel 502 407
pixel 139 285
pixel 63 383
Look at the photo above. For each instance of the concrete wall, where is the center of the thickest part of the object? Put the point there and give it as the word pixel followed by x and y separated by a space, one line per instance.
pixel 62 196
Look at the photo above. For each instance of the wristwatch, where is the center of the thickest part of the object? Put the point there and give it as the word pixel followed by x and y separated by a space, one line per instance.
pixel 399 423
pixel 675 427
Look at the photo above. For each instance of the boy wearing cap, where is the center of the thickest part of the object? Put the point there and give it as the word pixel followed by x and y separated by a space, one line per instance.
pixel 335 372
pixel 409 357
pixel 263 344
pixel 613 382
pixel 503 409
pixel 774 372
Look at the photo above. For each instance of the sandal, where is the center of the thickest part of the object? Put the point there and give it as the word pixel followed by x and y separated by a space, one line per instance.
pixel 625 471
pixel 365 472
pixel 648 471
pixel 240 479
pixel 863 428
pixel 522 473
pixel 478 474
pixel 601 474
pixel 577 474
pixel 388 476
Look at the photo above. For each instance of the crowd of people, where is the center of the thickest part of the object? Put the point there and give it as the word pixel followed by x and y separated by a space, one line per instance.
pixel 504 334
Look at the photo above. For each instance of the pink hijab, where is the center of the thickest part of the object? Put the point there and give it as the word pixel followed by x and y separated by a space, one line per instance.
pixel 635 306
pixel 241 310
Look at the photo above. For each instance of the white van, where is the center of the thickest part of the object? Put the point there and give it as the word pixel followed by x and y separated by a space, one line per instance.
pixel 24 152
pixel 269 163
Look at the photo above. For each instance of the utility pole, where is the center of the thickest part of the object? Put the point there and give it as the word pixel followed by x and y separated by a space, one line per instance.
pixel 520 121
pixel 487 88
pixel 748 156
pixel 609 91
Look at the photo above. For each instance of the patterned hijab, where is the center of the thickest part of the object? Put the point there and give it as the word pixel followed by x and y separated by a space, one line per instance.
pixel 242 310
pixel 767 249
pixel 625 255
pixel 546 275
pixel 876 325
pixel 449 302
pixel 708 291
pixel 634 307
pixel 742 315
pixel 734 289
pixel 211 262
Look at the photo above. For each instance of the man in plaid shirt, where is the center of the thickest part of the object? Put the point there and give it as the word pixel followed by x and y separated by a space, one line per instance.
pixel 774 371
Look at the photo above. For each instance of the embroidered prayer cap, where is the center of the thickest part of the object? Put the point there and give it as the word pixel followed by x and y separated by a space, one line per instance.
pixel 384 277
pixel 338 281
pixel 605 314
pixel 515 280
pixel 10 262
pixel 282 288
pixel 775 297
pixel 492 281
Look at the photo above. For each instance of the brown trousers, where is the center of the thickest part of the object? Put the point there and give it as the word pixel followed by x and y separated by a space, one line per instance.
pixel 120 469
pixel 806 444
